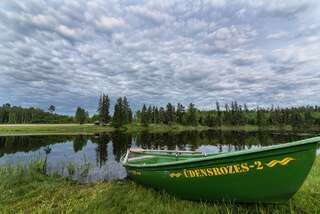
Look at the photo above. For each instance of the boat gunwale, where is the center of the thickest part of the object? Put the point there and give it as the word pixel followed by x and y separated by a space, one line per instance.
pixel 170 155
pixel 226 155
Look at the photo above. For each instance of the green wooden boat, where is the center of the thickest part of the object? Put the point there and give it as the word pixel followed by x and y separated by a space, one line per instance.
pixel 268 175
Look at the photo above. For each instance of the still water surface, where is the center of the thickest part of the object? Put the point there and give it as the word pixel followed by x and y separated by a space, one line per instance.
pixel 101 152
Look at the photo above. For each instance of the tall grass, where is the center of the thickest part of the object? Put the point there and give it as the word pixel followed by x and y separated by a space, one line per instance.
pixel 27 189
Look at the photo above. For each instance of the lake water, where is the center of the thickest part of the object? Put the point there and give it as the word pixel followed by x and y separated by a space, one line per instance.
pixel 100 153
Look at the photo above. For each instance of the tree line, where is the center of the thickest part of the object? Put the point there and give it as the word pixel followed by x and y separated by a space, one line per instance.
pixel 232 114
pixel 122 113
pixel 16 114
pixel 168 115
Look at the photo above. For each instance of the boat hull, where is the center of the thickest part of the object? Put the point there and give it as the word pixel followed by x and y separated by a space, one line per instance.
pixel 269 176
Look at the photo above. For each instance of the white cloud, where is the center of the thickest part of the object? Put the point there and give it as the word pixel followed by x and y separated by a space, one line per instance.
pixel 280 7
pixel 217 3
pixel 110 23
pixel 147 14
pixel 277 35
pixel 245 58
pixel 227 38
pixel 66 31
pixel 43 20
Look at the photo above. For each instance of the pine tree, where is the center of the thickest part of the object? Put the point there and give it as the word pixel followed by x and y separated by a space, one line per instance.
pixel 149 114
pixel 261 120
pixel 130 117
pixel 103 108
pixel 126 111
pixel 162 115
pixel 137 116
pixel 180 113
pixel 153 118
pixel 144 116
pixel 81 115
pixel 296 120
pixel 118 115
pixel 170 114
pixel 219 114
pixel 156 115
pixel 191 115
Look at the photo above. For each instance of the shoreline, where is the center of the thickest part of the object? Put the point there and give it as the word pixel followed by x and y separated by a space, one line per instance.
pixel 90 129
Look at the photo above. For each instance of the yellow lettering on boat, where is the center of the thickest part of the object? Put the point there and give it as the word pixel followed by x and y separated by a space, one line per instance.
pixel 203 172
pixel 209 171
pixel 225 170
pixel 216 171
pixel 185 173
pixel 282 162
pixel 237 168
pixel 245 167
pixel 191 173
pixel 230 169
pixel 259 165
pixel 175 174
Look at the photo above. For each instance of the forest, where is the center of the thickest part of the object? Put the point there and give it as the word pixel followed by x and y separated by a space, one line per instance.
pixel 16 115
pixel 232 114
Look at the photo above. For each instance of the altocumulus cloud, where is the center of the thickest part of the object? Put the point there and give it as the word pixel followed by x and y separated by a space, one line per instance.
pixel 67 52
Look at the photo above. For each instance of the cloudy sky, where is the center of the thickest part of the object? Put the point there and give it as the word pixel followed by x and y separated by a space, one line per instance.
pixel 67 52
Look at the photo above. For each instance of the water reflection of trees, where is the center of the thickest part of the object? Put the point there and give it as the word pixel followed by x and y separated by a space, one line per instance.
pixel 158 140
pixel 79 142
pixel 234 140
pixel 102 140
pixel 120 143
pixel 13 144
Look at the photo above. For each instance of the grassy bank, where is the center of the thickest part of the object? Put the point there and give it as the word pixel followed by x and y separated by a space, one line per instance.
pixel 53 129
pixel 155 128
pixel 75 129
pixel 29 191
pixel 251 128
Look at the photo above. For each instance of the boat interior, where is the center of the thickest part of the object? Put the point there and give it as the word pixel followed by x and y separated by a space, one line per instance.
pixel 141 158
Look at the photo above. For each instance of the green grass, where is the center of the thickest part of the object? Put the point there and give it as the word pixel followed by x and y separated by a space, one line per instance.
pixel 249 128
pixel 51 129
pixel 76 129
pixel 287 128
pixel 28 191
pixel 155 128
